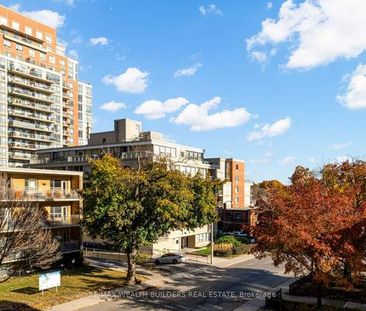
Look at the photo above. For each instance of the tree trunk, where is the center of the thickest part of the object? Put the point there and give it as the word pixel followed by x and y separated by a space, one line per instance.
pixel 347 272
pixel 131 261
pixel 319 297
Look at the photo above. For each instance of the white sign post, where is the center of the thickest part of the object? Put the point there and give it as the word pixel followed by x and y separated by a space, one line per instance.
pixel 49 280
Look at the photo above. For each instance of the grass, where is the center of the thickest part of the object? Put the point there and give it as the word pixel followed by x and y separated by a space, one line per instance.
pixel 206 251
pixel 76 284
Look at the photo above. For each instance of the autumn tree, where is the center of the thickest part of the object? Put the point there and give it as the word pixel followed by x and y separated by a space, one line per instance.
pixel 25 240
pixel 135 206
pixel 299 225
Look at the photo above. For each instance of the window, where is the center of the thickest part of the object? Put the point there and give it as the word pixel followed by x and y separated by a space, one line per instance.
pixel 62 62
pixel 32 53
pixel 3 20
pixel 7 43
pixel 236 178
pixel 237 189
pixel 39 35
pixel 56 183
pixel 51 59
pixel 42 55
pixel 28 30
pixel 15 25
pixel 31 183
pixel 237 167
pixel 19 47
pixel 48 39
pixel 236 200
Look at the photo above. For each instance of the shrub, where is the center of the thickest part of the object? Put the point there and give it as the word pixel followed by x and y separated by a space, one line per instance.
pixel 228 239
pixel 243 239
pixel 223 249
pixel 241 249
pixel 142 257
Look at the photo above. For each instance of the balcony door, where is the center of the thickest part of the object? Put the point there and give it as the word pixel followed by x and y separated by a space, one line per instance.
pixel 64 186
pixel 59 214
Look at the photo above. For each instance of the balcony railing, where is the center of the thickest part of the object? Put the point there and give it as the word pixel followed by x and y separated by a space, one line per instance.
pixel 68 220
pixel 27 104
pixel 30 125
pixel 29 94
pixel 52 194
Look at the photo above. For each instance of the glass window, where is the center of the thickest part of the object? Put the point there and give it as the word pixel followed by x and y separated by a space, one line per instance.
pixel 31 183
pixel 32 52
pixel 28 30
pixel 39 35
pixel 15 25
pixel 56 183
pixel 3 20
pixel 48 39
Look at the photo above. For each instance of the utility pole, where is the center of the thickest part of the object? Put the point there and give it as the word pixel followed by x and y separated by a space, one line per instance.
pixel 212 242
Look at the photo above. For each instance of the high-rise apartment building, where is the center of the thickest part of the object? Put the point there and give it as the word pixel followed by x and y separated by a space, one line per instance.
pixel 42 103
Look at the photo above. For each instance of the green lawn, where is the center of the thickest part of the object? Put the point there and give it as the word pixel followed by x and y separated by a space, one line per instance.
pixel 206 251
pixel 76 284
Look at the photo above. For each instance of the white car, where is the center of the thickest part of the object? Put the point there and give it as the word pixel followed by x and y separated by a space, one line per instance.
pixel 170 258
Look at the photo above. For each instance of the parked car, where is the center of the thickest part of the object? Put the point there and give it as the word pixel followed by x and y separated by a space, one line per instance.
pixel 170 258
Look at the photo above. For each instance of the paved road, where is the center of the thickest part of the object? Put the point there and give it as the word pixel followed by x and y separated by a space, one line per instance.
pixel 198 287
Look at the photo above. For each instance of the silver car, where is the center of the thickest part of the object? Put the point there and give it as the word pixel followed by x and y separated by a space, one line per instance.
pixel 170 258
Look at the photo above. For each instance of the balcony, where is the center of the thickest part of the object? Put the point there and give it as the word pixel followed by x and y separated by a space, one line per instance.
pixel 70 246
pixel 21 156
pixel 29 115
pixel 63 221
pixel 29 73
pixel 53 194
pixel 27 104
pixel 30 95
pixel 29 125
pixel 30 84
pixel 28 136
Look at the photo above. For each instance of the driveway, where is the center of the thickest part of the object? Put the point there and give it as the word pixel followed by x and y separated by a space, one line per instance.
pixel 195 286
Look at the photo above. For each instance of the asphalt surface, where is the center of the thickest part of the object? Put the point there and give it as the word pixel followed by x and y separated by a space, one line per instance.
pixel 194 286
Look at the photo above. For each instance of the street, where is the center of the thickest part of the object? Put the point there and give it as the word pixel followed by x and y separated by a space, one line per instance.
pixel 194 286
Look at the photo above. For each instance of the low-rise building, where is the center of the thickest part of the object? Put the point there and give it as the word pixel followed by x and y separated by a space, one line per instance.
pixel 128 142
pixel 56 192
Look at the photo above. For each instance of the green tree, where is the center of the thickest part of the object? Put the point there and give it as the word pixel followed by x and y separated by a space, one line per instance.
pixel 133 207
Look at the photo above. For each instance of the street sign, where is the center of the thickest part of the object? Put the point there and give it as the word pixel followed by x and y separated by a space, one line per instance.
pixel 49 279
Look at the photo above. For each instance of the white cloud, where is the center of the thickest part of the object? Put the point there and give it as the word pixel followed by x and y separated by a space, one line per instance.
pixel 47 17
pixel 209 9
pixel 341 146
pixel 287 160
pixel 67 2
pixel 355 96
pixel 99 41
pixel 155 109
pixel 15 7
pixel 260 57
pixel 186 72
pixel 133 80
pixel 269 5
pixel 197 117
pixel 112 106
pixel 270 130
pixel 73 54
pixel 319 31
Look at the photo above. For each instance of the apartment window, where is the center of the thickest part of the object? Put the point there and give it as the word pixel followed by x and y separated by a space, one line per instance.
pixel 19 47
pixel 55 183
pixel 28 30
pixel 48 39
pixel 3 20
pixel 15 25
pixel 42 55
pixel 237 189
pixel 236 200
pixel 7 43
pixel 237 167
pixel 32 53
pixel 31 183
pixel 237 178
pixel 62 62
pixel 39 35
pixel 51 59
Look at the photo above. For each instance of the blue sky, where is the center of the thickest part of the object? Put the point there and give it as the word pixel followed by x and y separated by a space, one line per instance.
pixel 276 83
